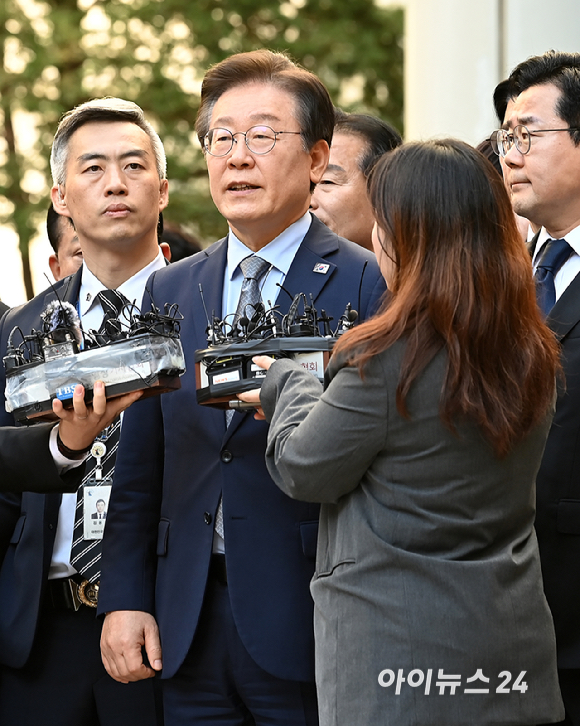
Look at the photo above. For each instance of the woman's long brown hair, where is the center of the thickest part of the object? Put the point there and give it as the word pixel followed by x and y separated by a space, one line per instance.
pixel 463 282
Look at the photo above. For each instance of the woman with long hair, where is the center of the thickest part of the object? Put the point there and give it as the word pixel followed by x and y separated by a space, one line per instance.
pixel 423 450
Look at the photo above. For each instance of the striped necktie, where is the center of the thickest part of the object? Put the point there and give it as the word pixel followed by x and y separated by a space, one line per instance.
pixel 86 553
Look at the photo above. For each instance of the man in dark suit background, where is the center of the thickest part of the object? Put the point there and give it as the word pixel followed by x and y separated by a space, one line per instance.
pixel 340 200
pixel 109 175
pixel 540 146
pixel 199 541
pixel 67 255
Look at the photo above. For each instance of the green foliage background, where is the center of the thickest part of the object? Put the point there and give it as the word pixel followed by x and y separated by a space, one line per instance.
pixel 59 53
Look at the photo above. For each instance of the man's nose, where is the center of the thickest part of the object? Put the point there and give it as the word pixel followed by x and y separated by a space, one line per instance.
pixel 239 153
pixel 513 157
pixel 115 182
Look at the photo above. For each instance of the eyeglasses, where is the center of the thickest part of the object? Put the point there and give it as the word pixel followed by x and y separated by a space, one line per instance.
pixel 259 140
pixel 502 140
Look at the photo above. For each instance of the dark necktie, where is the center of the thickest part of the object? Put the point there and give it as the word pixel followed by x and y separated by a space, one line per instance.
pixel 552 257
pixel 112 303
pixel 86 553
pixel 254 268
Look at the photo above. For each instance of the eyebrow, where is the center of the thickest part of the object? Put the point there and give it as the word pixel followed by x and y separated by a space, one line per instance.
pixel 94 156
pixel 525 120
pixel 335 169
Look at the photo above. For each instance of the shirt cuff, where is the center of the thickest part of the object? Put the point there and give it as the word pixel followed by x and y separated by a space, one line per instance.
pixel 62 463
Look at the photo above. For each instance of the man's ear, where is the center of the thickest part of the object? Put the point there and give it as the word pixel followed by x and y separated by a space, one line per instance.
pixel 319 155
pixel 54 265
pixel 59 200
pixel 163 194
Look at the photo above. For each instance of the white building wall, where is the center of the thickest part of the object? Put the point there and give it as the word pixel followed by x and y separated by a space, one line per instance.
pixel 456 51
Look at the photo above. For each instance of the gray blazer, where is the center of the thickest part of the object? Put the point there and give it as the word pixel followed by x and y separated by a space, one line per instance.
pixel 427 559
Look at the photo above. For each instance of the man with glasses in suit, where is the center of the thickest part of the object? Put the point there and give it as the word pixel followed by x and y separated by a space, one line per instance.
pixel 540 149
pixel 207 564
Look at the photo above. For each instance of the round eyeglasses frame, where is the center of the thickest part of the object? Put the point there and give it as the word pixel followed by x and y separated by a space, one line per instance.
pixel 503 140
pixel 249 142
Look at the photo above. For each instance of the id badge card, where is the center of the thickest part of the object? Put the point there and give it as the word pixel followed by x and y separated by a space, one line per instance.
pixel 96 505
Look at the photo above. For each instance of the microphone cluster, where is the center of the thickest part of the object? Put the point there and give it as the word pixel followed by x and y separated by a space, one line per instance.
pixel 225 367
pixel 138 352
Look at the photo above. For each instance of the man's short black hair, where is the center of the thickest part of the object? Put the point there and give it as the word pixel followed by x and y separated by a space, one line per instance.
pixel 501 96
pixel 379 136
pixel 54 222
pixel 557 68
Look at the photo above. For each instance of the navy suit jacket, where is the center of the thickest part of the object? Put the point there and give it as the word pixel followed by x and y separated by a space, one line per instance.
pixel 27 521
pixel 175 459
pixel 558 486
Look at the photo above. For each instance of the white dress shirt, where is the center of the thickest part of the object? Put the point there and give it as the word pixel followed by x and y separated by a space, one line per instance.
pixel 91 315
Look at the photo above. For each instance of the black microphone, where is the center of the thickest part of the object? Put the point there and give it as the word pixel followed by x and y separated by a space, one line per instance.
pixel 244 324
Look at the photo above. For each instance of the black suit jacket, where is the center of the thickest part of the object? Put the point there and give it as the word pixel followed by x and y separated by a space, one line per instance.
pixel 26 463
pixel 558 485
pixel 175 458
pixel 28 521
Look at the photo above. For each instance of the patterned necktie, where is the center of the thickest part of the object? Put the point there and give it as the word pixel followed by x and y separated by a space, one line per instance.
pixel 254 268
pixel 86 553
pixel 112 303
pixel 552 257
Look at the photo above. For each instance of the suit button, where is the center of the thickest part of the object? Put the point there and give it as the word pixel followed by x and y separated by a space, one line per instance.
pixel 207 517
pixel 226 456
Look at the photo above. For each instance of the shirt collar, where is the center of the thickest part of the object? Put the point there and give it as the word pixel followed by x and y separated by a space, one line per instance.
pixel 132 288
pixel 279 253
pixel 572 238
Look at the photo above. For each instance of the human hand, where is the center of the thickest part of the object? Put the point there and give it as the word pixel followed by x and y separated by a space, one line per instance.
pixel 263 361
pixel 253 396
pixel 124 633
pixel 80 425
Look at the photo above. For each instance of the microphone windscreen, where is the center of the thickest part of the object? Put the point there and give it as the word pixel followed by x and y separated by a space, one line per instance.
pixel 62 315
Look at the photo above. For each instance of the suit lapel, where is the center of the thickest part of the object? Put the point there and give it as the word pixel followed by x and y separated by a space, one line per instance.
pixel 206 270
pixel 310 270
pixel 207 273
pixel 68 291
pixel 566 312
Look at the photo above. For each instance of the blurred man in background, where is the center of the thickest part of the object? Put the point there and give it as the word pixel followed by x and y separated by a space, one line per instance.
pixel 67 256
pixel 340 199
